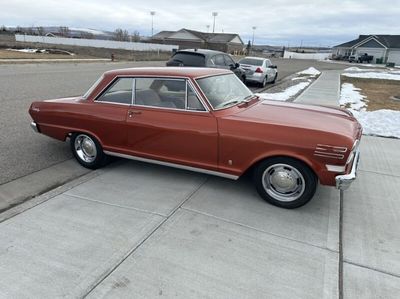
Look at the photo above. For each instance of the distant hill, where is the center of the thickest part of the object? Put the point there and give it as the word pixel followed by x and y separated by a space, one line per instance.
pixel 73 32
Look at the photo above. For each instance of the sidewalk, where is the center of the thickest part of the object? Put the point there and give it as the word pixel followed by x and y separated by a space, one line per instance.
pixel 324 91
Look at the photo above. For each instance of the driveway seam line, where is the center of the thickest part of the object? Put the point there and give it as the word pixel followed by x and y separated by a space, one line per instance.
pixel 340 274
pixel 114 205
pixel 258 230
pixel 381 173
pixel 42 198
pixel 371 268
pixel 132 251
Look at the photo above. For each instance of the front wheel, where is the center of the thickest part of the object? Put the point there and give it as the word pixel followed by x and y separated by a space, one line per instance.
pixel 87 150
pixel 273 81
pixel 285 182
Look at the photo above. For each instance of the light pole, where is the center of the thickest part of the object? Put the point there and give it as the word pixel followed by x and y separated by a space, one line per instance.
pixel 254 29
pixel 214 14
pixel 152 13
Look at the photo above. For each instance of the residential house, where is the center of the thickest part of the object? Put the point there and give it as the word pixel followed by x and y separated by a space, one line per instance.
pixel 188 39
pixel 384 48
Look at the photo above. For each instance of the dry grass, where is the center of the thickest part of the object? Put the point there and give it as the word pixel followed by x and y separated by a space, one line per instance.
pixel 5 54
pixel 378 92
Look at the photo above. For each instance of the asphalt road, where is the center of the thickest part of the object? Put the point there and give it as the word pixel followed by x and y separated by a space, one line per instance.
pixel 21 150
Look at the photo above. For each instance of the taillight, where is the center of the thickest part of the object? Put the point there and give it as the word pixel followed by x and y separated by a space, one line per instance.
pixel 259 70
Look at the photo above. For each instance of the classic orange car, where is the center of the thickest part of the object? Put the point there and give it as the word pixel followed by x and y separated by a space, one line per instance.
pixel 206 120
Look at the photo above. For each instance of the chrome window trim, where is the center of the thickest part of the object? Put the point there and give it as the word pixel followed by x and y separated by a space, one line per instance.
pixel 180 166
pixel 133 91
pixel 96 99
pixel 187 79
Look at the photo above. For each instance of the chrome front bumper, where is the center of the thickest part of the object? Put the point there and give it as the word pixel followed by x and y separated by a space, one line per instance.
pixel 344 181
pixel 34 127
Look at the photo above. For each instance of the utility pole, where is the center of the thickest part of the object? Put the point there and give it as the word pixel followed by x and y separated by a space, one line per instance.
pixel 152 13
pixel 214 14
pixel 252 43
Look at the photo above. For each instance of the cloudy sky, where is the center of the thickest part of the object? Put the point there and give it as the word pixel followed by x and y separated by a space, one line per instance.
pixel 279 22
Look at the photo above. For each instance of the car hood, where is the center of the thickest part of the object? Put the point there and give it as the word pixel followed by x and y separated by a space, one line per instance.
pixel 319 118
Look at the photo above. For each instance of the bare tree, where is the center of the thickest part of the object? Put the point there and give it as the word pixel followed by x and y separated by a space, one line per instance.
pixel 136 36
pixel 64 31
pixel 121 35
pixel 40 30
pixel 30 31
pixel 87 35
pixel 19 29
pixel 3 28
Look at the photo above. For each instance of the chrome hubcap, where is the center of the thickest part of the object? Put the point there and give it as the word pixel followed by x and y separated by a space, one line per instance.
pixel 283 182
pixel 85 148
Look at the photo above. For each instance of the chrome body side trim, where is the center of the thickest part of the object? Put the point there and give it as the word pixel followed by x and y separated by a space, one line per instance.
pixel 190 168
pixel 34 127
pixel 344 181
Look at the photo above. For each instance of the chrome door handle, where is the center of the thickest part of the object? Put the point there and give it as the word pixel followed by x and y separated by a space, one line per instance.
pixel 131 113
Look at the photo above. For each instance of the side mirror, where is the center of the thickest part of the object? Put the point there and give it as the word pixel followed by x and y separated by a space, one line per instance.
pixel 237 65
pixel 234 66
pixel 273 67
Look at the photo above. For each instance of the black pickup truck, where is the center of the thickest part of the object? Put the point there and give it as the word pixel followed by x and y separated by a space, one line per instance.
pixel 362 58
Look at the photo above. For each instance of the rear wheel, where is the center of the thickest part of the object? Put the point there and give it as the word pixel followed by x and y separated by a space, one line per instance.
pixel 264 82
pixel 276 76
pixel 285 182
pixel 87 150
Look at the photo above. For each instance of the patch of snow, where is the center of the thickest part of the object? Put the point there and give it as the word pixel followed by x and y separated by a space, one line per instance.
pixel 350 95
pixel 382 122
pixel 286 94
pixel 92 31
pixel 374 75
pixel 311 71
pixel 24 50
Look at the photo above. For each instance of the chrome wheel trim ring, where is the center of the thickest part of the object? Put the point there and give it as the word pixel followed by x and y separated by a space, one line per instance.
pixel 85 148
pixel 283 182
pixel 264 83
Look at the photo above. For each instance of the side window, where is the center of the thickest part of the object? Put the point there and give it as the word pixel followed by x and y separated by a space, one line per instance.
pixel 119 92
pixel 219 60
pixel 193 102
pixel 229 61
pixel 160 92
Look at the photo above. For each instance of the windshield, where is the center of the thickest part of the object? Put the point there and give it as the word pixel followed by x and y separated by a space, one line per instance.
pixel 224 90
pixel 93 87
pixel 251 61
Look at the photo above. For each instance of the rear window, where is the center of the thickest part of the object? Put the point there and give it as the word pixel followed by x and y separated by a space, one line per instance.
pixel 250 61
pixel 189 59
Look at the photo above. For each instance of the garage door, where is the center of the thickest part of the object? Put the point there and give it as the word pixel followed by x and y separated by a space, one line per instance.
pixel 394 56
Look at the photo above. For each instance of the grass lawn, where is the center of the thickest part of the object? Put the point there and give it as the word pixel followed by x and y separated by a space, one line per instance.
pixel 378 92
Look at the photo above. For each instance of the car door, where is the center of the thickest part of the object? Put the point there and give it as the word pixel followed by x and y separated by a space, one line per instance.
pixel 270 71
pixel 231 65
pixel 168 122
pixel 107 118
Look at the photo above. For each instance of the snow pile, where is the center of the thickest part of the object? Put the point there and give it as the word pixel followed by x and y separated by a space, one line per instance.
pixel 286 94
pixel 382 122
pixel 350 95
pixel 311 71
pixel 24 50
pixel 374 75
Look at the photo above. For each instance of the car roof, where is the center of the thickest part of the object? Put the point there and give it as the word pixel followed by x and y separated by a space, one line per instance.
pixel 204 52
pixel 192 72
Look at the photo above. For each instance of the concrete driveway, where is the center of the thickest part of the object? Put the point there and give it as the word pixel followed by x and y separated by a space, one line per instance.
pixel 134 229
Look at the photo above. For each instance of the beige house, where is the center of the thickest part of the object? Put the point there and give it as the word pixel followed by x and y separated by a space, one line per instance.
pixel 189 39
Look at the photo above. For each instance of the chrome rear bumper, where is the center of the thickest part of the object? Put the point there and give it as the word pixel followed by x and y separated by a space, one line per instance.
pixel 34 127
pixel 344 181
